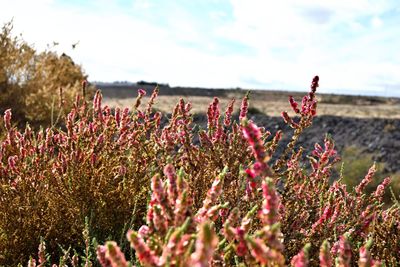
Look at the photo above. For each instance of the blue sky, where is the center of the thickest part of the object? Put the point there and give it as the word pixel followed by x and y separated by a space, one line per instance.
pixel 255 44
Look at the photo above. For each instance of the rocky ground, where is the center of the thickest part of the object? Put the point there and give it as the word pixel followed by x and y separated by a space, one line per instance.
pixel 377 137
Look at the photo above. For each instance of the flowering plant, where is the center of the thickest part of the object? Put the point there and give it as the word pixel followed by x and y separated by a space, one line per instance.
pixel 220 202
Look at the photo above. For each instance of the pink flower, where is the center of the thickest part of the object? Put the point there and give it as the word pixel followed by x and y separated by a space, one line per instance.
pixel 324 217
pixel 270 211
pixel 261 252
pixel 325 259
pixel 301 259
pixel 344 251
pixel 7 119
pixel 294 105
pixel 380 190
pixel 228 113
pixel 101 256
pixel 141 92
pixel 253 136
pixel 206 243
pixel 143 252
pixel 114 255
pixel 244 107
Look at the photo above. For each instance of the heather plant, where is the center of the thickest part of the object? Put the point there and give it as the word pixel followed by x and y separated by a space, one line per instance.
pixel 99 167
pixel 221 202
pixel 38 86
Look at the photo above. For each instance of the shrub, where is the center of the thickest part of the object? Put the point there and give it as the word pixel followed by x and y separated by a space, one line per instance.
pixel 221 202
pixel 38 86
pixel 355 163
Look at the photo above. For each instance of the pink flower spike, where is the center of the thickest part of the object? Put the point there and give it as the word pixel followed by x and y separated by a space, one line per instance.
pixel 141 92
pixel 206 243
pixel 380 190
pixel 101 256
pixel 115 255
pixel 244 107
pixel 145 255
pixel 325 259
pixel 367 179
pixel 301 259
pixel 270 210
pixel 294 105
pixel 7 119
pixel 344 251
pixel 228 113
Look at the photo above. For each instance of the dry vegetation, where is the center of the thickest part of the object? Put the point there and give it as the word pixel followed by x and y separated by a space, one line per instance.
pixel 33 83
pixel 272 107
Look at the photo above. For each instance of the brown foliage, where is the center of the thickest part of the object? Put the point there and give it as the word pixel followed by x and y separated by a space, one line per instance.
pixel 30 81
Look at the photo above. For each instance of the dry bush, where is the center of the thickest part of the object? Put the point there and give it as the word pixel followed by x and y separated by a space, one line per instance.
pixel 35 83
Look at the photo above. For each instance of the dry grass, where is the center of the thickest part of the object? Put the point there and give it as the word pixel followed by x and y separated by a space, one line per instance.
pixel 271 107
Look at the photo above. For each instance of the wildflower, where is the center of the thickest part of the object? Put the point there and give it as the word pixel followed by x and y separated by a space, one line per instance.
pixel 228 113
pixel 141 92
pixel 101 256
pixel 212 196
pixel 380 190
pixel 206 243
pixel 157 189
pixel 152 99
pixel 213 115
pixel 241 247
pixel 301 259
pixel 169 172
pixel 270 211
pixel 264 254
pixel 7 119
pixel 84 86
pixel 32 262
pixel 42 254
pixel 253 136
pixel 114 255
pixel 294 105
pixel 344 258
pixel 12 161
pixel 244 107
pixel 325 259
pixel 324 217
pixel 143 252
pixel 314 84
pixel 365 259
pixel 97 105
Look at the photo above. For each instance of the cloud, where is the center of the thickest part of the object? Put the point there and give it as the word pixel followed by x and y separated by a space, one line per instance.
pixel 250 44
pixel 333 38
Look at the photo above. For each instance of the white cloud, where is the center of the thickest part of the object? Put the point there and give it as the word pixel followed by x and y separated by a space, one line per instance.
pixel 317 45
pixel 348 43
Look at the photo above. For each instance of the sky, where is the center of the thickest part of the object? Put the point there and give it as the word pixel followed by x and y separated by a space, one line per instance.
pixel 354 46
